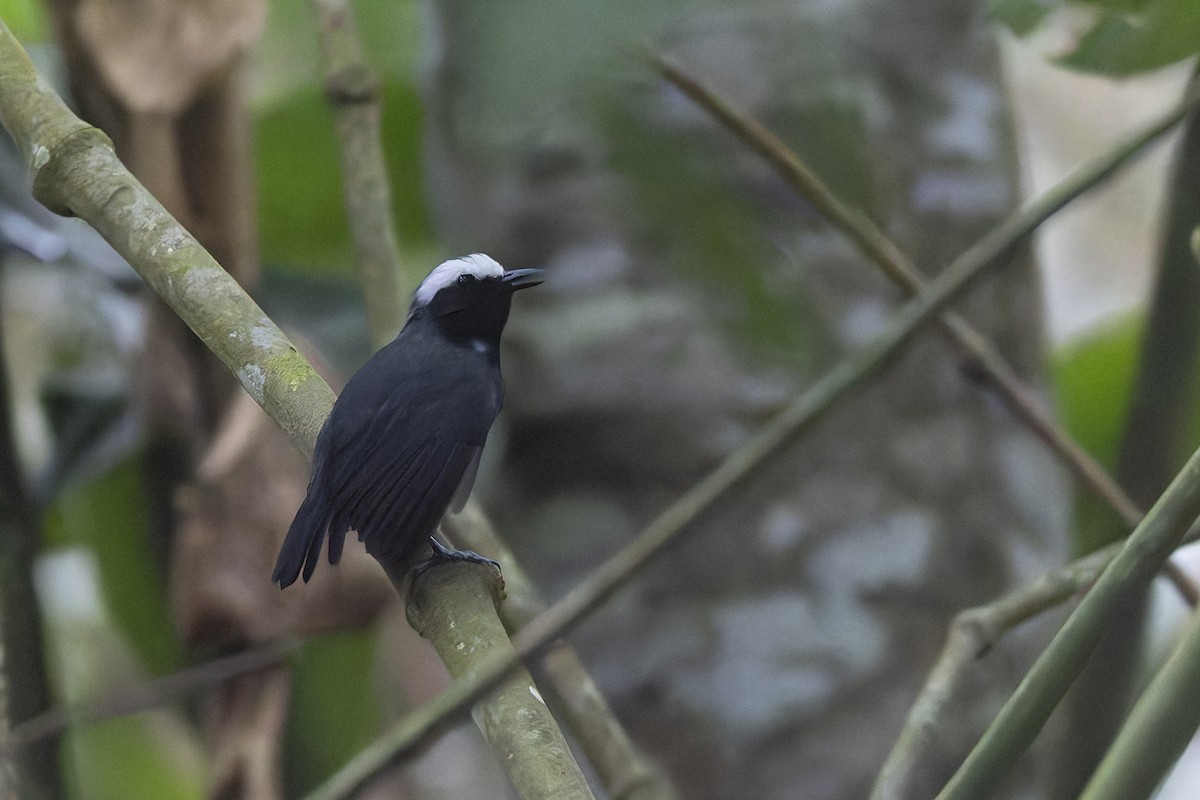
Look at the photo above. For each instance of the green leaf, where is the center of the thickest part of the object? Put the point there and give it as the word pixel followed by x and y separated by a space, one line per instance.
pixel 1093 378
pixel 1125 36
pixel 1022 17
pixel 1125 41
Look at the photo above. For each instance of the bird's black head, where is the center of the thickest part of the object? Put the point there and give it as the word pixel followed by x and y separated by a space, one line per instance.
pixel 469 298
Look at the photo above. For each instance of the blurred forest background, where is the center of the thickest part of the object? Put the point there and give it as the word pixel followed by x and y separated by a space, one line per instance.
pixel 691 294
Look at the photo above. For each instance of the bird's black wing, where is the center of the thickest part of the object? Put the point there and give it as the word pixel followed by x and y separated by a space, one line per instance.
pixel 397 481
pixel 401 440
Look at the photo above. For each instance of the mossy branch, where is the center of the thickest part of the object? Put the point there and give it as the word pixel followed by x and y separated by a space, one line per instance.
pixel 75 172
pixel 624 771
pixel 455 607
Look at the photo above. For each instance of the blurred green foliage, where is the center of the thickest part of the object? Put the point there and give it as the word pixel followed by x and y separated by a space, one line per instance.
pixel 25 18
pixel 107 515
pixel 302 219
pixel 1121 37
pixel 335 709
pixel 1093 383
pixel 128 759
pixel 711 234
pixel 1093 380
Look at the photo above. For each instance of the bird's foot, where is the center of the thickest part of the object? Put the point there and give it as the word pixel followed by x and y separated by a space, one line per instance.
pixel 442 555
pixel 428 589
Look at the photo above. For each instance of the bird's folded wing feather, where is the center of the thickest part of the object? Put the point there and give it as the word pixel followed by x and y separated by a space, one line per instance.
pixel 392 457
pixel 394 480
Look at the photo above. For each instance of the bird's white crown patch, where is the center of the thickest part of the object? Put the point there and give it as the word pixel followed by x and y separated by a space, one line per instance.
pixel 446 273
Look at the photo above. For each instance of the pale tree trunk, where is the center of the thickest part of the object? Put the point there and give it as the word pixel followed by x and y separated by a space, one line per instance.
pixel 773 654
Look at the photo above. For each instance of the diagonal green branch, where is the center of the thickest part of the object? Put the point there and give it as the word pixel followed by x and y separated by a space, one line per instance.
pixel 912 748
pixel 1157 419
pixel 989 252
pixel 972 633
pixel 875 245
pixel 1158 730
pixel 1023 716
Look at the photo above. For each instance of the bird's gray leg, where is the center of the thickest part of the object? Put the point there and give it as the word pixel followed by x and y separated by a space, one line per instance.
pixel 443 554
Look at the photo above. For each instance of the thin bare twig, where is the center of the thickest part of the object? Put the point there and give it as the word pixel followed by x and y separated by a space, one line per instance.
pixel 875 245
pixel 353 90
pixel 76 172
pixel 965 636
pixel 152 694
pixel 971 634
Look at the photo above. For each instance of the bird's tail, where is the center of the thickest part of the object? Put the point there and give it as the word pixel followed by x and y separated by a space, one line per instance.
pixel 302 546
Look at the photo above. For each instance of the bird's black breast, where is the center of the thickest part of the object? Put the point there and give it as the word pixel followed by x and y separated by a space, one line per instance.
pixel 401 436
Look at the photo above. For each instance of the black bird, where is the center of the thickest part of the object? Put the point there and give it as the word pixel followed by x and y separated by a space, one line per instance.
pixel 404 438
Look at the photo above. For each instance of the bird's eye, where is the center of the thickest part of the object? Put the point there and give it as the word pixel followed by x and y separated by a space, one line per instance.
pixel 466 279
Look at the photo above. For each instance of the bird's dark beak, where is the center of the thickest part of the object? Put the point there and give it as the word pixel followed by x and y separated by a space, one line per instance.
pixel 523 278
